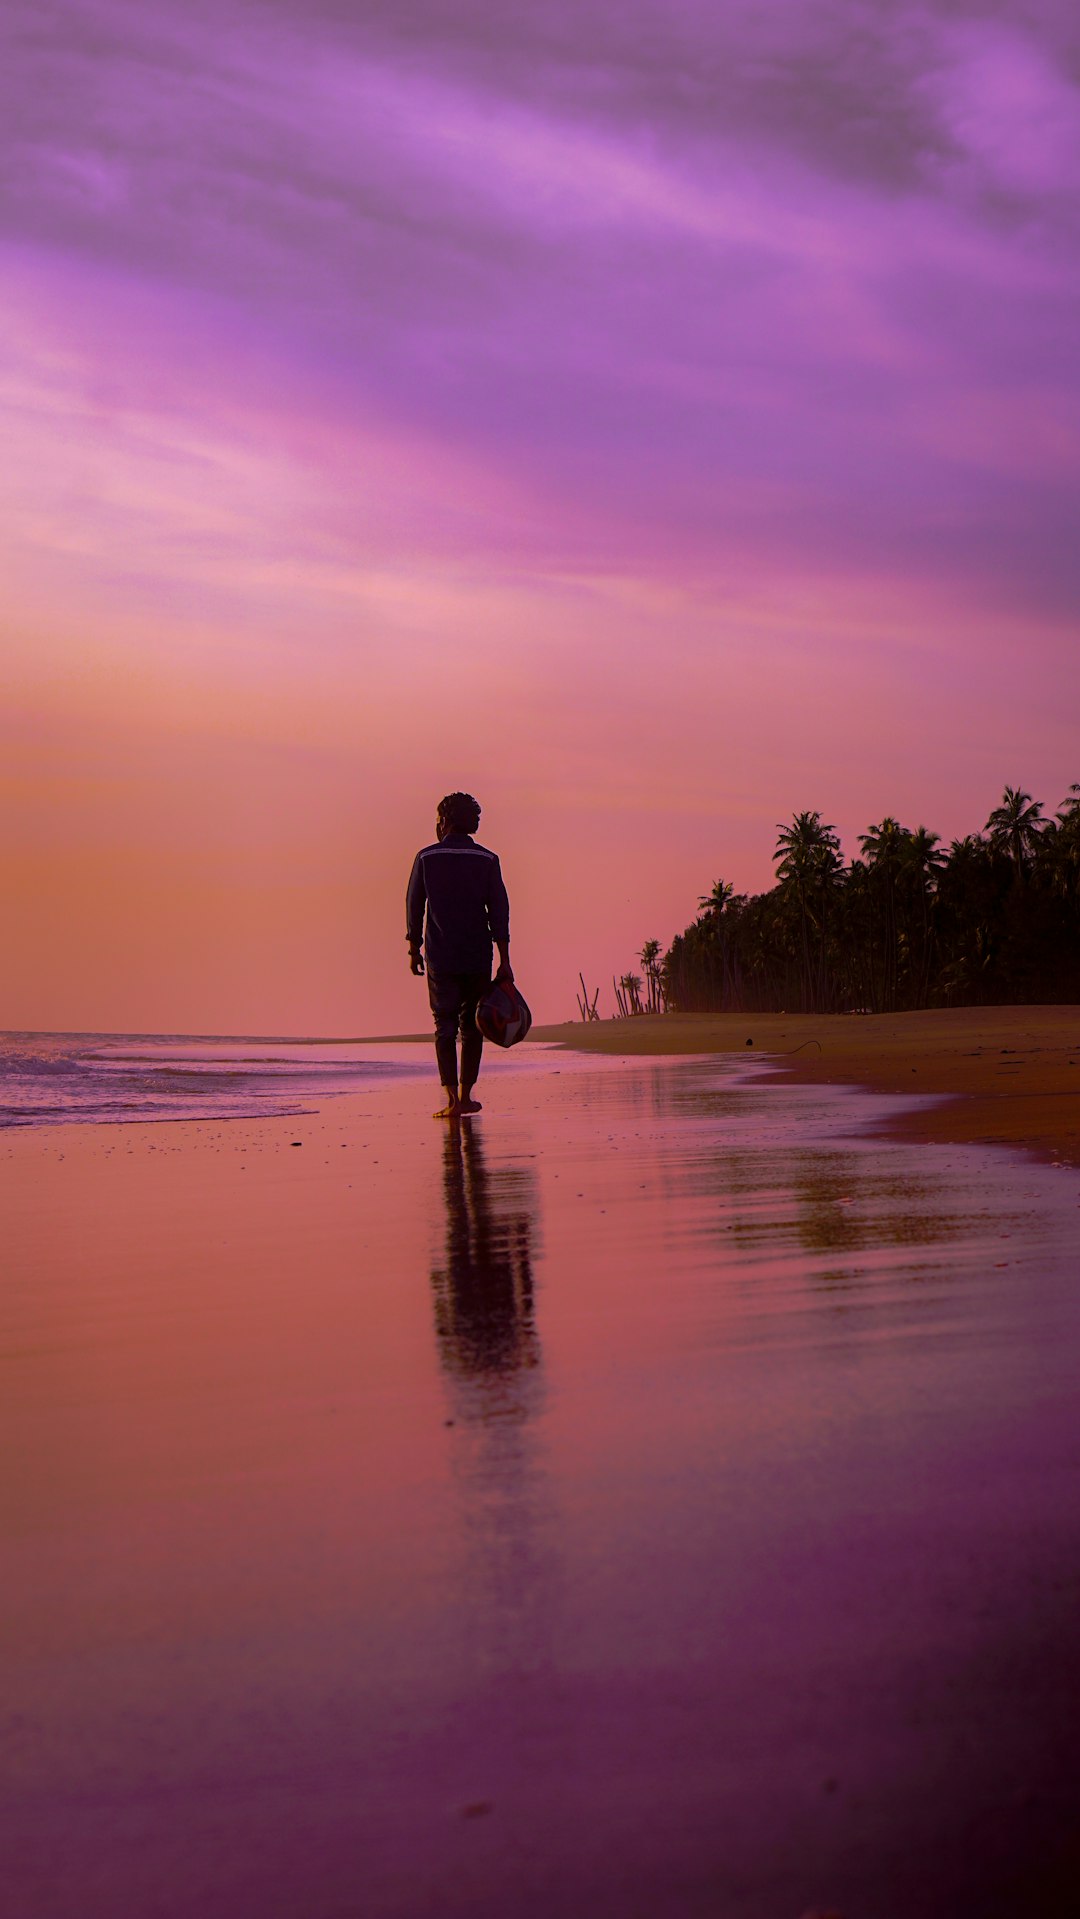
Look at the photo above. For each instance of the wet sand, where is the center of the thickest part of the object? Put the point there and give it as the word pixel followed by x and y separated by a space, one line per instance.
pixel 1009 1075
pixel 655 1498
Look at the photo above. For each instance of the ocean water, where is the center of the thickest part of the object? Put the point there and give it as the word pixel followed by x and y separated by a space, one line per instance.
pixel 50 1077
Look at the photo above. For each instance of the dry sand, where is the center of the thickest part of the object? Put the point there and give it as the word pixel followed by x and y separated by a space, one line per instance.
pixel 1007 1075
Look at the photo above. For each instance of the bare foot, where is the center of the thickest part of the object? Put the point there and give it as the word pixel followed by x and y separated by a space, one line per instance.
pixel 452 1109
pixel 470 1105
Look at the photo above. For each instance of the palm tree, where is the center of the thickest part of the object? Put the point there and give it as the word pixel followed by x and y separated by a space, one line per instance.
pixel 924 850
pixel 631 985
pixel 716 901
pixel 650 960
pixel 924 860
pixel 1062 843
pixel 712 921
pixel 1014 827
pixel 807 861
pixel 885 846
pixel 966 851
pixel 967 910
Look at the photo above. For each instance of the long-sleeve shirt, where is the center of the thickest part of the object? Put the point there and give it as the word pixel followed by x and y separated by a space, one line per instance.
pixel 457 904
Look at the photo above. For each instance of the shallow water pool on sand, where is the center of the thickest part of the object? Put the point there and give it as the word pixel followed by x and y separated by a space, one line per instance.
pixel 657 1497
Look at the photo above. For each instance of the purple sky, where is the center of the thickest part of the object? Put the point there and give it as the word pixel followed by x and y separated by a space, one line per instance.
pixel 654 418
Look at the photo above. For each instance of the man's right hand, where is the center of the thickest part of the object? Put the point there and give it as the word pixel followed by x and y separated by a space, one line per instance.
pixel 416 961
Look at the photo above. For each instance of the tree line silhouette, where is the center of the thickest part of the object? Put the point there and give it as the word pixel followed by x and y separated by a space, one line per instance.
pixel 994 918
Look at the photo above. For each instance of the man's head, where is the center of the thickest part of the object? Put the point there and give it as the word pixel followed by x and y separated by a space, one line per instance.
pixel 458 813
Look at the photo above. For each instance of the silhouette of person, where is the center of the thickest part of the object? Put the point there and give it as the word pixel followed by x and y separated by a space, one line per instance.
pixel 484 1317
pixel 456 905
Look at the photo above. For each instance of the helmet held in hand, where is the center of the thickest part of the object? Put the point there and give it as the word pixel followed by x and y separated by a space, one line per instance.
pixel 502 1015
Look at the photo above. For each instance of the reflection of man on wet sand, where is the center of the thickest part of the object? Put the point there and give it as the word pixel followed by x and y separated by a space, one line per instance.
pixel 490 1359
pixel 484 1292
pixel 455 907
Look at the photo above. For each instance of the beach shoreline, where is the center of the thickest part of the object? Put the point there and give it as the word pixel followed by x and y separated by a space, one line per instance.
pixel 999 1075
pixel 995 1075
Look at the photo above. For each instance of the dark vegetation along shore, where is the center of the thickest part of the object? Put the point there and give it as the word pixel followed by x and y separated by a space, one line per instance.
pixel 993 919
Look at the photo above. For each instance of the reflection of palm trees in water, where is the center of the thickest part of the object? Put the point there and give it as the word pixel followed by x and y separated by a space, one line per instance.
pixel 484 1314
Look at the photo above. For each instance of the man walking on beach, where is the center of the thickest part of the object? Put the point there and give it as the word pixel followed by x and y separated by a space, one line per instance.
pixel 455 907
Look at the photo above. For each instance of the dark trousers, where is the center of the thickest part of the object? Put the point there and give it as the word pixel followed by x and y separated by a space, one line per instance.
pixel 454 998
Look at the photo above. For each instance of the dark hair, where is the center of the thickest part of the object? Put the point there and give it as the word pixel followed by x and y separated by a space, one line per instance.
pixel 459 813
